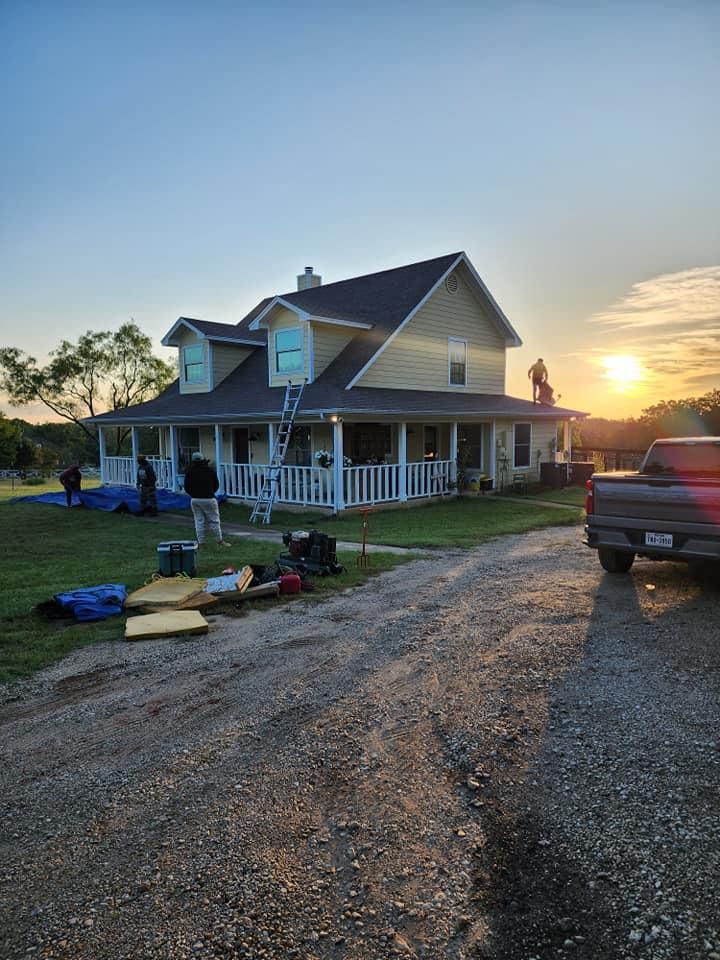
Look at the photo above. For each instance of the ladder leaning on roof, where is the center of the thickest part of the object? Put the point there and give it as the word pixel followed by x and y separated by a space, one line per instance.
pixel 264 503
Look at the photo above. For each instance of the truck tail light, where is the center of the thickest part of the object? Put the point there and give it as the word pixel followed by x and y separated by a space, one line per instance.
pixel 589 492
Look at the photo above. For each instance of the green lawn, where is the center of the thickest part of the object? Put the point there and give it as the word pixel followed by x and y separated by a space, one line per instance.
pixel 50 549
pixel 457 522
pixel 572 496
pixel 16 488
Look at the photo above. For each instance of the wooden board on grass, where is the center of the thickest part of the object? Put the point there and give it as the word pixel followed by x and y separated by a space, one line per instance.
pixel 167 592
pixel 169 623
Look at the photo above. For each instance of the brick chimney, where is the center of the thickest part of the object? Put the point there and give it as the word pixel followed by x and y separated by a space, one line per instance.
pixel 308 279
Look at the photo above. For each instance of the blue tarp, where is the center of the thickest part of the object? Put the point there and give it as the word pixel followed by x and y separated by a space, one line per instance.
pixel 94 603
pixel 115 498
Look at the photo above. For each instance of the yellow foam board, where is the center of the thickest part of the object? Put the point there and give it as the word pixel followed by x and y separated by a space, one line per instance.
pixel 169 623
pixel 166 592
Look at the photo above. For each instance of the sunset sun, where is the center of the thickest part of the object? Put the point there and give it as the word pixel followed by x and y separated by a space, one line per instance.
pixel 624 372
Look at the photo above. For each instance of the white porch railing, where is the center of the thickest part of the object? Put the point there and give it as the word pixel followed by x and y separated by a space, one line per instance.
pixel 307 486
pixel 123 471
pixel 312 486
pixel 371 484
pixel 428 479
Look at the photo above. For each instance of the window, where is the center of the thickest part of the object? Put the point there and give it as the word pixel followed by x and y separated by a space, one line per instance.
pixel 521 445
pixel 457 365
pixel 430 443
pixel 194 364
pixel 299 449
pixel 288 350
pixel 470 446
pixel 188 444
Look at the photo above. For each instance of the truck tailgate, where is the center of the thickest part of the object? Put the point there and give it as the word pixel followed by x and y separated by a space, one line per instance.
pixel 649 498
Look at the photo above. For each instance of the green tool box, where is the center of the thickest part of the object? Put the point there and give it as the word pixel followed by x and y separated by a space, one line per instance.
pixel 177 557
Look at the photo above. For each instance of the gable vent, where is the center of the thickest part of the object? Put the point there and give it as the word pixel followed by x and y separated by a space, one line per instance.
pixel 451 283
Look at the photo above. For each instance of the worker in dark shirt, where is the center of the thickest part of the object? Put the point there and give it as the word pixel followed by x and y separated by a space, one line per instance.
pixel 538 373
pixel 147 486
pixel 71 479
pixel 201 485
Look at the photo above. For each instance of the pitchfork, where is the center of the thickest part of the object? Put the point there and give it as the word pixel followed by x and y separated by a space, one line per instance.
pixel 363 560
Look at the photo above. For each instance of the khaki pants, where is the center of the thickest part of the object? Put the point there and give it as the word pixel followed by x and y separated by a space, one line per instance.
pixel 206 515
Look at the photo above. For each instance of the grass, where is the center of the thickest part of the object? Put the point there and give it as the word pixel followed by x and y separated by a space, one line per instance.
pixel 571 496
pixel 16 488
pixel 458 522
pixel 49 549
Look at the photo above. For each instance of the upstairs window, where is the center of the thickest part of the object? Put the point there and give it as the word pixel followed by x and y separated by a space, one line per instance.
pixel 521 445
pixel 457 362
pixel 194 364
pixel 288 351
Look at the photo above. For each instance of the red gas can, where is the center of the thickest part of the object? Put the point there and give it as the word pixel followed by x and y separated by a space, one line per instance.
pixel 290 583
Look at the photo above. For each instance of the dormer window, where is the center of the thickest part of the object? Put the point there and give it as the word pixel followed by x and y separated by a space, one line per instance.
pixel 194 364
pixel 288 350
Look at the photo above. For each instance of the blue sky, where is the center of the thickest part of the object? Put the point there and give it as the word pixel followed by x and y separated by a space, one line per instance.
pixel 167 158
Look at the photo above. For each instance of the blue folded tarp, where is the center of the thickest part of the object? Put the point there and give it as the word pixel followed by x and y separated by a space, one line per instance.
pixel 94 603
pixel 125 499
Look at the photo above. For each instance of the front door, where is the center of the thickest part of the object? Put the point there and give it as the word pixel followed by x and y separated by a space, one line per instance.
pixel 241 445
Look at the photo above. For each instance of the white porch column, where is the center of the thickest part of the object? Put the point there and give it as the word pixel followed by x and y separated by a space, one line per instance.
pixel 173 457
pixel 453 451
pixel 103 452
pixel 493 457
pixel 134 442
pixel 338 456
pixel 218 457
pixel 271 440
pixel 568 448
pixel 402 461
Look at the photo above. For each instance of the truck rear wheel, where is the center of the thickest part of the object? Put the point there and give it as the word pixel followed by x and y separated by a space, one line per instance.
pixel 615 561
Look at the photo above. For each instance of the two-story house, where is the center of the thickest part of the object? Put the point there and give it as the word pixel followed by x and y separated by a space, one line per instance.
pixel 405 383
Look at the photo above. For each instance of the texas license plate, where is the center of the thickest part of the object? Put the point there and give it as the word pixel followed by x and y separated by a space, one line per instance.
pixel 658 540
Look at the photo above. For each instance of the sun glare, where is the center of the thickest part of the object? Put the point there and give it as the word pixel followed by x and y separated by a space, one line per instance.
pixel 625 373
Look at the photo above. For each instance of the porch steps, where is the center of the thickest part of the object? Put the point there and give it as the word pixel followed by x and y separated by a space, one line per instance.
pixel 264 503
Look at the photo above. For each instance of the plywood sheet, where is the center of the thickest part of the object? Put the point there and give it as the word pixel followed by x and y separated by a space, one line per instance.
pixel 167 592
pixel 169 623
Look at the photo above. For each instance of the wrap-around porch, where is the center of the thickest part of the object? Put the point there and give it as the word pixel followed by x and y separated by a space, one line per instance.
pixel 331 464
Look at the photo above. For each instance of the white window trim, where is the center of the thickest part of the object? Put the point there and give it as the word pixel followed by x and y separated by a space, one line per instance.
pixel 458 386
pixel 275 373
pixel 183 365
pixel 528 466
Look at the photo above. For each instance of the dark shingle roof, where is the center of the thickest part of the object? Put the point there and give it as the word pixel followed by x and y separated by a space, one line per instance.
pixel 381 299
pixel 245 395
pixel 224 331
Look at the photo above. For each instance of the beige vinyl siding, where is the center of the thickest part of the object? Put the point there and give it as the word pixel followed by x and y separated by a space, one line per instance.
pixel 541 435
pixel 328 341
pixel 186 338
pixel 284 319
pixel 225 358
pixel 417 359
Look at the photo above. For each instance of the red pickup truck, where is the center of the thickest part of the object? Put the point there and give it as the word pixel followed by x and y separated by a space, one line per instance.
pixel 667 510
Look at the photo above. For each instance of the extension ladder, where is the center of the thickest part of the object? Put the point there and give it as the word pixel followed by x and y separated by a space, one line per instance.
pixel 264 503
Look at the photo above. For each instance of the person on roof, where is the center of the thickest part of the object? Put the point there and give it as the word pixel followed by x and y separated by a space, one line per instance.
pixel 538 373
pixel 201 484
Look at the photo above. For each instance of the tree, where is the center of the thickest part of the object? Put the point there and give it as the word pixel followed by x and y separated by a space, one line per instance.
pixel 10 437
pixel 102 371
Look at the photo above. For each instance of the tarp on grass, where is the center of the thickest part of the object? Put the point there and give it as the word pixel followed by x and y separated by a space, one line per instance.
pixel 122 499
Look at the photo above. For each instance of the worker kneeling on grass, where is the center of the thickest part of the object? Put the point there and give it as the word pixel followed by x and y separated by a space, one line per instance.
pixel 201 485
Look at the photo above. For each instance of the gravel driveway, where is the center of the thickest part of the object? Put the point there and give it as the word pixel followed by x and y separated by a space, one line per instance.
pixel 501 754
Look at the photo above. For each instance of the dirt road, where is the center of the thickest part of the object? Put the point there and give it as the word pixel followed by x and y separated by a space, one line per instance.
pixel 504 754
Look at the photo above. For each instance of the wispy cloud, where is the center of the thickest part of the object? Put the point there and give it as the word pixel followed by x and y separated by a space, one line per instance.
pixel 688 298
pixel 671 325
